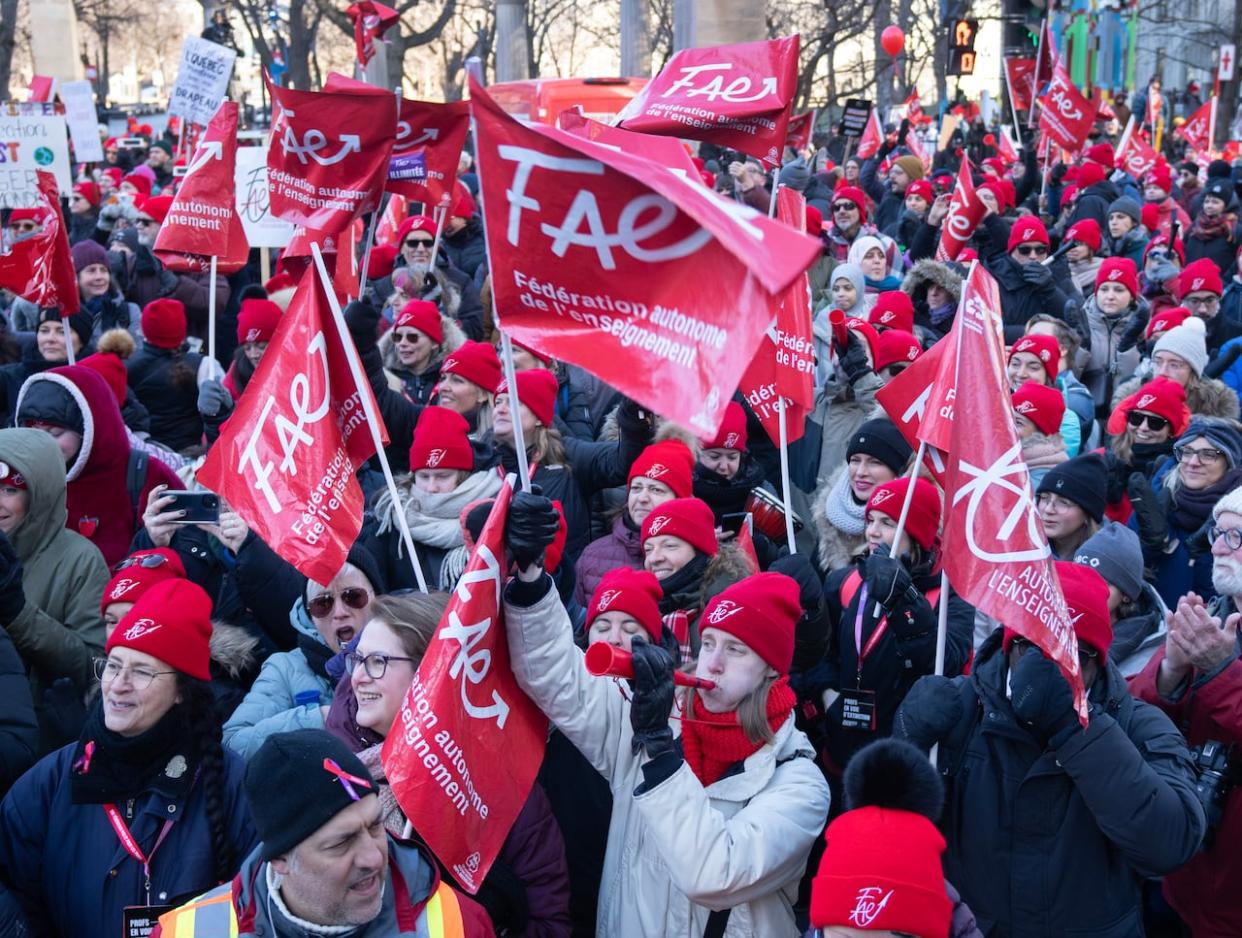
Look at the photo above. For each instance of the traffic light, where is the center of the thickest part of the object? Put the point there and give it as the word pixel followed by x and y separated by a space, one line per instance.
pixel 962 33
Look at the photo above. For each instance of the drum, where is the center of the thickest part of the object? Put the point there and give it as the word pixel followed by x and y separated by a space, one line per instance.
pixel 768 514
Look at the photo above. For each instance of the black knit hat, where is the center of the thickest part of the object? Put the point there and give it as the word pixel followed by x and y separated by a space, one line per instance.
pixel 297 782
pixel 1221 188
pixel 880 439
pixel 1083 480
pixel 80 322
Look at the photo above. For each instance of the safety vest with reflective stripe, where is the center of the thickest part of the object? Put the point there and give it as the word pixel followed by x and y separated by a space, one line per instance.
pixel 212 915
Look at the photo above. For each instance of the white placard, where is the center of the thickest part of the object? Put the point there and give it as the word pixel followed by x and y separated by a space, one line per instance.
pixel 202 80
pixel 1228 55
pixel 263 229
pixel 83 121
pixel 30 143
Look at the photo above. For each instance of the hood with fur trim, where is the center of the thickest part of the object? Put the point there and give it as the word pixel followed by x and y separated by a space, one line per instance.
pixel 926 272
pixel 453 338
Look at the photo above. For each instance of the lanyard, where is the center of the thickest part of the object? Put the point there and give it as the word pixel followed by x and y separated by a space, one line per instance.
pixel 878 634
pixel 131 845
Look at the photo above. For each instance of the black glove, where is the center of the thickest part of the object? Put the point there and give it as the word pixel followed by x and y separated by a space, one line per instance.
pixel 362 320
pixel 1223 362
pixel 12 596
pixel 531 527
pixel 1041 698
pixel 145 262
pixel 888 580
pixel 503 896
pixel 1135 330
pixel 929 712
pixel 854 362
pixel 1153 523
pixel 1037 275
pixel 634 420
pixel 652 699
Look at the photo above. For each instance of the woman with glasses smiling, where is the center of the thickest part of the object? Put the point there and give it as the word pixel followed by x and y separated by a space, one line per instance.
pixel 1172 516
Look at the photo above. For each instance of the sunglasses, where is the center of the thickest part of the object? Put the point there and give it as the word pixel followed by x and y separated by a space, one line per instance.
pixel 845 207
pixel 419 243
pixel 412 336
pixel 145 222
pixel 1157 255
pixel 23 227
pixel 1027 250
pixel 355 597
pixel 146 562
pixel 1137 418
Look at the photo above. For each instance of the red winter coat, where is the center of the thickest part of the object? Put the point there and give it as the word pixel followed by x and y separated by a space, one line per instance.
pixel 1205 891
pixel 98 499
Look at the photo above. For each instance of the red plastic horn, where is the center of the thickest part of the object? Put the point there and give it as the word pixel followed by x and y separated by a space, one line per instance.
pixel 836 319
pixel 604 660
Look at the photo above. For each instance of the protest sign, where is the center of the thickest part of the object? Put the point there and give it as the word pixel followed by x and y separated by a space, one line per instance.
pixel 83 121
pixel 202 80
pixel 263 229
pixel 31 142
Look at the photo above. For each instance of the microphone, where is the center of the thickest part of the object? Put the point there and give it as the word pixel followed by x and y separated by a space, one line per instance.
pixel 604 660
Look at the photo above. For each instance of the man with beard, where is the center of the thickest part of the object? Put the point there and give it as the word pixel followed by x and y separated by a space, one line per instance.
pixel 1197 680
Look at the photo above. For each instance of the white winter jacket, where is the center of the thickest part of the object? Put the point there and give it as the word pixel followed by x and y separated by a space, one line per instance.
pixel 678 851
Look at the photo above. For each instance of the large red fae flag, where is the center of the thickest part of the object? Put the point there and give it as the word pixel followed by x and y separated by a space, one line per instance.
pixel 782 370
pixel 1065 115
pixel 39 268
pixel 202 221
pixel 966 210
pixel 286 458
pixel 737 96
pixel 328 158
pixel 995 552
pixel 666 151
pixel 1134 154
pixel 872 137
pixel 467 742
pixel 1197 130
pixel 633 272
pixel 371 20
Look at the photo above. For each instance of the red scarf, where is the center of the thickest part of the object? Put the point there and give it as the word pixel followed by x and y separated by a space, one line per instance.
pixel 714 741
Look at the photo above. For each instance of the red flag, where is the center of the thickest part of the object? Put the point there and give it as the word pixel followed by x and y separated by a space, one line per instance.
pixel 1134 154
pixel 467 742
pixel 737 96
pixel 966 210
pixel 798 132
pixel 613 263
pixel 907 399
pixel 1198 128
pixel 746 543
pixel 202 221
pixel 872 138
pixel 995 551
pixel 39 268
pixel 1005 149
pixel 783 367
pixel 395 213
pixel 340 256
pixel 917 149
pixel 286 458
pixel 1046 60
pixel 1065 114
pixel 371 20
pixel 329 155
pixel 666 151
pixel 914 109
pixel 42 88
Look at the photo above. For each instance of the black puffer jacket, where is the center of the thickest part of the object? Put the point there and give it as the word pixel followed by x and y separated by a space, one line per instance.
pixel 173 407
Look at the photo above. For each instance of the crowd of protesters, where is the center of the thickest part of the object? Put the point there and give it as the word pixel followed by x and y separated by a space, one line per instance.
pixel 191 728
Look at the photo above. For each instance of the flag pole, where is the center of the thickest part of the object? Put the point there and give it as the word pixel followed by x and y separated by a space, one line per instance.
pixel 211 314
pixel 1039 58
pixel 368 408
pixel 785 483
pixel 439 215
pixel 942 634
pixel 905 508
pixel 64 331
pixel 776 175
pixel 515 417
pixel 375 220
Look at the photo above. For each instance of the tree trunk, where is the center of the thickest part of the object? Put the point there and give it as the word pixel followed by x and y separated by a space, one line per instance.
pixel 8 42
pixel 883 63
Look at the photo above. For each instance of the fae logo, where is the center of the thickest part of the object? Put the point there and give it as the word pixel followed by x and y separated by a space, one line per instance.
pixel 1144 401
pixel 122 587
pixel 140 628
pixel 1026 407
pixel 434 457
pixel 1019 538
pixel 656 471
pixel 606 598
pixel 868 904
pixel 657 525
pixel 730 441
pixel 723 610
pixel 881 497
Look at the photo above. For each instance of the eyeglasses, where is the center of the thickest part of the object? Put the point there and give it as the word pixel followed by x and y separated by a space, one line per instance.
pixel 1136 418
pixel 1205 457
pixel 1203 302
pixel 355 597
pixel 412 336
pixel 1029 250
pixel 1054 502
pixel 1085 654
pixel 147 562
pixel 375 664
pixel 845 207
pixel 418 243
pixel 1158 255
pixel 1232 536
pixel 107 670
pixel 146 222
pixel 23 227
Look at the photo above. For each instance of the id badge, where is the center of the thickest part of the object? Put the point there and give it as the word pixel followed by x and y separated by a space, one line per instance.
pixel 138 921
pixel 858 709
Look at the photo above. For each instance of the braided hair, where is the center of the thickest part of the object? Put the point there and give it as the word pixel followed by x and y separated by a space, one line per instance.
pixel 205 729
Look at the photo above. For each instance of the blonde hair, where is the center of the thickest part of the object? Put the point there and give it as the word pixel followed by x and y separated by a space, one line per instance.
pixel 413 618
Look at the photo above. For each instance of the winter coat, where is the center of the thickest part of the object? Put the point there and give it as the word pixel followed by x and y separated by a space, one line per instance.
pixel 466 249
pixel 621 547
pixel 1093 202
pixel 1058 843
pixel 1222 249
pixel 1132 244
pixel 921 276
pixel 1220 330
pixel 1232 375
pixel 144 284
pixel 450 289
pixel 889 204
pixel 413 893
pixel 14 375
pixel 112 311
pixel 1021 300
pixel 286 695
pixel 1084 273
pixel 68 867
pixel 1207 706
pixel 840 409
pixel 19 729
pixel 1078 400
pixel 1137 637
pixel 1106 367
pixel 175 420
pixel 836 548
pixel 60 629
pixel 676 850
pixel 100 504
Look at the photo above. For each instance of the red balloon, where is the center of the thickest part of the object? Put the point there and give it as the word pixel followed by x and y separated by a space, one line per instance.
pixel 893 40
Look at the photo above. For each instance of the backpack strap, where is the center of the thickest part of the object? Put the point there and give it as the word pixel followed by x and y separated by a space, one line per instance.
pixel 136 479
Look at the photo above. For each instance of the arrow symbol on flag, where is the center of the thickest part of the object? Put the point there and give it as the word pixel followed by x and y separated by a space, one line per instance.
pixel 429 134
pixel 207 151
pixel 316 141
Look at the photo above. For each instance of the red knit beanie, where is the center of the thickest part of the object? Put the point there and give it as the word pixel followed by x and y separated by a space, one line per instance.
pixel 441 441
pixel 422 315
pixel 414 223
pixel 380 263
pixel 1149 215
pixel 923 519
pixel 762 611
pixel 893 310
pixel 257 320
pixel 635 592
pixel 1089 174
pixel 1103 154
pixel 670 462
pixel 689 519
pixel 1160 176
pixel 171 621
pixel 852 194
pixel 732 432
pixel 1163 397
pixel 1043 347
pixel 142 570
pixel 464 206
pixel 921 188
pixel 1086 596
pixel 537 389
pixel 139 182
pixel 477 363
pixel 896 346
pixel 867 333
pixel 88 191
pixel 1042 405
pixel 154 206
pixel 1118 270
pixel 1086 232
pixel 1026 230
pixel 163 323
pixel 1201 276
pixel 1167 319
pixel 113 371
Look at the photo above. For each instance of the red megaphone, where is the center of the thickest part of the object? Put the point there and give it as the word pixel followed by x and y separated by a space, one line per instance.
pixel 836 319
pixel 604 660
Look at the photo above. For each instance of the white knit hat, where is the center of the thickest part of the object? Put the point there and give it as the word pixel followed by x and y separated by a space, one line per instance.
pixel 1186 341
pixel 1232 501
